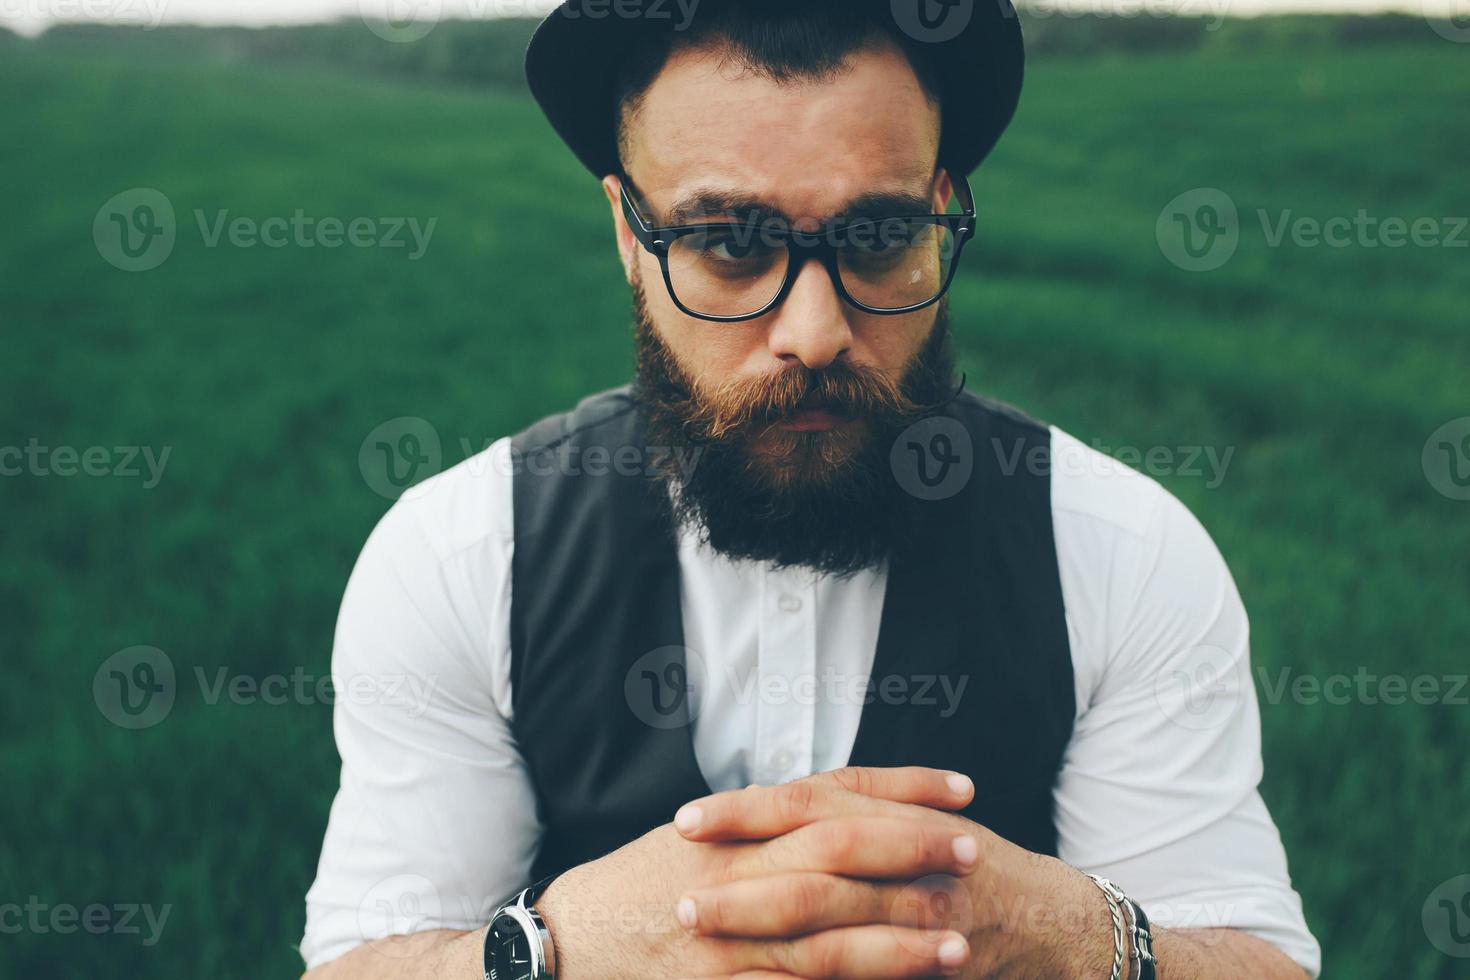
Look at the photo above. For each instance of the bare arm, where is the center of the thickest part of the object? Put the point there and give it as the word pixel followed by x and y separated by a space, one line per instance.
pixel 439 955
pixel 1207 954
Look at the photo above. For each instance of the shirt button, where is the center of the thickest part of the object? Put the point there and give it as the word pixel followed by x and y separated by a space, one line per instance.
pixel 789 603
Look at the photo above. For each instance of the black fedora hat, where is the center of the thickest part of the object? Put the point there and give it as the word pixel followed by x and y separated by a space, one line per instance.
pixel 974 49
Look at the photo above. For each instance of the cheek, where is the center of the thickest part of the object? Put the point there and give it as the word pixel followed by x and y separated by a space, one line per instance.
pixel 890 343
pixel 706 351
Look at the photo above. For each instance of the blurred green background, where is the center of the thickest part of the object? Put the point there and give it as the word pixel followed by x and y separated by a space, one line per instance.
pixel 262 371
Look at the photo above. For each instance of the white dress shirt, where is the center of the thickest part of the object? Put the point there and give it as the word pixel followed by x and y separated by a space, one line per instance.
pixel 435 820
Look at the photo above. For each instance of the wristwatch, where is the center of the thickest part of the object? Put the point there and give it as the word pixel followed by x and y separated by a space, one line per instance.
pixel 518 945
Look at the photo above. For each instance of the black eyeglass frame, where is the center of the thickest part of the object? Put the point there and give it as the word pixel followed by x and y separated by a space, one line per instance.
pixel 801 247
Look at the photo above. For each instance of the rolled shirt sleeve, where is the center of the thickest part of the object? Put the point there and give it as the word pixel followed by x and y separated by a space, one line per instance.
pixel 1159 786
pixel 434 821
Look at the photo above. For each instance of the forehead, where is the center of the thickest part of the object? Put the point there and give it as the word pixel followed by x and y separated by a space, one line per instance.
pixel 805 146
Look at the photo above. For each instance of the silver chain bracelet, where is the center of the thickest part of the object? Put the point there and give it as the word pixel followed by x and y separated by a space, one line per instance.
pixel 1115 906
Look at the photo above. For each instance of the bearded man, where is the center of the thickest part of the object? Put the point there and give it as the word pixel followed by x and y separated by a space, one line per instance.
pixel 793 658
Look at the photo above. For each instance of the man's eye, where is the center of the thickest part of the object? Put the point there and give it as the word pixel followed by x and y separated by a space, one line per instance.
pixel 733 248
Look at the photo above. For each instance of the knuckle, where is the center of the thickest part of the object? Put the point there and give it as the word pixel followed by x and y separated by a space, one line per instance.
pixel 856 779
pixel 837 840
pixel 823 955
pixel 714 914
pixel 795 801
pixel 802 899
pixel 925 849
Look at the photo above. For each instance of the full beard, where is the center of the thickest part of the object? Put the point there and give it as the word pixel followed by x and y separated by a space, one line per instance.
pixel 826 500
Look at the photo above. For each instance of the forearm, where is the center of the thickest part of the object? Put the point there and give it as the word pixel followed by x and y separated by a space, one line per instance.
pixel 1218 954
pixel 442 954
pixel 1069 933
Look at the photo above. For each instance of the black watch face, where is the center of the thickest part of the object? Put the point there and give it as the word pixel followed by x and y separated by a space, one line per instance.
pixel 510 952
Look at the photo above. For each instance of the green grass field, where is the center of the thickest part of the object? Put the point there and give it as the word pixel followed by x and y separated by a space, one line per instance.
pixel 262 370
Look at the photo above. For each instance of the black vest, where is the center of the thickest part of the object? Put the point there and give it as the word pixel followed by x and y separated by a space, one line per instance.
pixel 595 594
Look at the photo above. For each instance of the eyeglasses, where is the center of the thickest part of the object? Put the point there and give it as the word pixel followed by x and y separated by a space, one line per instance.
pixel 739 268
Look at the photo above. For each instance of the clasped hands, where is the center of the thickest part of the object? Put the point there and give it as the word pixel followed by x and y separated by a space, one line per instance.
pixel 859 872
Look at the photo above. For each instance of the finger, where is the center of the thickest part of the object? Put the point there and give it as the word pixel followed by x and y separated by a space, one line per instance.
pixel 797 904
pixel 863 847
pixel 864 953
pixel 760 813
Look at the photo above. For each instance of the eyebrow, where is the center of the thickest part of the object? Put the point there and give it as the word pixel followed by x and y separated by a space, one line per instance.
pixel 705 204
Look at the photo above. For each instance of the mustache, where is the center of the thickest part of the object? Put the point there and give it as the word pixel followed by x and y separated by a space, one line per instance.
pixel 849 391
pixel 746 407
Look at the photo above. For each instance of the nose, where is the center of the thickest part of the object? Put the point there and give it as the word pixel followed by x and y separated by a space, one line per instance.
pixel 811 326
